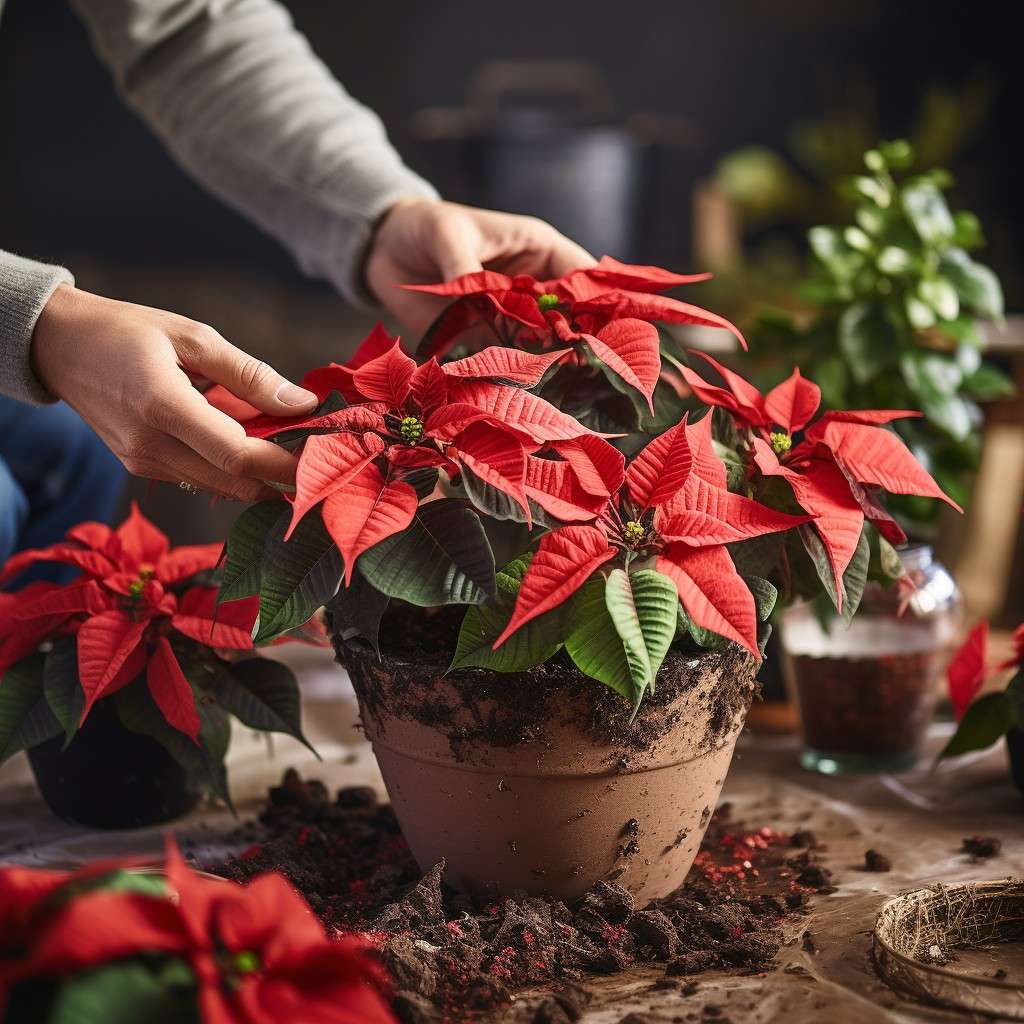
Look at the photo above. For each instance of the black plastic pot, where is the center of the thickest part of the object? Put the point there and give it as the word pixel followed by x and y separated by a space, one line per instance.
pixel 1015 748
pixel 109 777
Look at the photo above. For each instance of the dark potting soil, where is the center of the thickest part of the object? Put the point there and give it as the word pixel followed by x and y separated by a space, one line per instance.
pixel 875 861
pixel 450 956
pixel 879 705
pixel 506 709
pixel 982 847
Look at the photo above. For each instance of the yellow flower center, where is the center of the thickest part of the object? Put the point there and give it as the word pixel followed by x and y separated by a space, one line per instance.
pixel 634 532
pixel 411 429
pixel 781 442
pixel 547 301
pixel 246 962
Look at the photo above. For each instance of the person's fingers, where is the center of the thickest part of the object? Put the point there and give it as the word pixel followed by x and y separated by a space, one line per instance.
pixel 184 414
pixel 456 247
pixel 205 353
pixel 164 458
pixel 566 256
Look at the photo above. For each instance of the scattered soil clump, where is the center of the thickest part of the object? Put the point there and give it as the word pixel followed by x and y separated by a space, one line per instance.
pixel 982 847
pixel 875 861
pixel 450 956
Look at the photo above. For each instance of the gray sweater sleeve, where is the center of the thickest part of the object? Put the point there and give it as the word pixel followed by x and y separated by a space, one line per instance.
pixel 239 98
pixel 25 287
pixel 242 102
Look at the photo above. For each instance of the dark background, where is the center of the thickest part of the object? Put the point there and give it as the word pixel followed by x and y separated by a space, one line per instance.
pixel 82 180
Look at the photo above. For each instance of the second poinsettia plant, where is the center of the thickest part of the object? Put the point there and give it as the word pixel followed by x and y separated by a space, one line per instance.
pixel 617 542
pixel 139 627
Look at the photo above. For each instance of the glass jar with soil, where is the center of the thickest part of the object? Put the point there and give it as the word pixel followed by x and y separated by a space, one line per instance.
pixel 866 693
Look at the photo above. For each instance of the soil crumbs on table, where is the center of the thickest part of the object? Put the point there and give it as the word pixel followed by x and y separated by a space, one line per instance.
pixel 453 958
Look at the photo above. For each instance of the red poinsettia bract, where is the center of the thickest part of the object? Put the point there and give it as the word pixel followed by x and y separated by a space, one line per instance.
pixel 131 595
pixel 676 510
pixel 258 953
pixel 474 415
pixel 609 308
pixel 968 669
pixel 835 470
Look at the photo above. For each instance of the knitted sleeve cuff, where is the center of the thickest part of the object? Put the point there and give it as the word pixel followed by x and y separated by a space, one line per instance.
pixel 25 288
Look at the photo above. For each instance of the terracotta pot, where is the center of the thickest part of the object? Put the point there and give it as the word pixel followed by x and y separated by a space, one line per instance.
pixel 539 781
pixel 111 778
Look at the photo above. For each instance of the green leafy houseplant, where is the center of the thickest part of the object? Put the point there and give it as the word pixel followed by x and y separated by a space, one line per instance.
pixel 133 652
pixel 899 302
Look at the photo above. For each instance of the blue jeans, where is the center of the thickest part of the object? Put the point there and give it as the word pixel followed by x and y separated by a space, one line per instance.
pixel 54 472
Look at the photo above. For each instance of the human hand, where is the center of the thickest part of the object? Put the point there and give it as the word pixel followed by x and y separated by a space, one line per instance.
pixel 126 370
pixel 423 241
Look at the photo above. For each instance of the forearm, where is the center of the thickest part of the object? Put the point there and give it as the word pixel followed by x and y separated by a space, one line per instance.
pixel 239 98
pixel 25 288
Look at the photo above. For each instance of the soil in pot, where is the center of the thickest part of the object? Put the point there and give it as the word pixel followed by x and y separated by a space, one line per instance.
pixel 109 777
pixel 542 781
pixel 450 954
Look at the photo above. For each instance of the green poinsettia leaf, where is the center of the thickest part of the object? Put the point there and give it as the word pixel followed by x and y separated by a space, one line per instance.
pixel 593 642
pixel 244 550
pixel 819 562
pixel 856 576
pixel 987 720
pixel 299 576
pixel 443 557
pixel 25 718
pixel 758 556
pixel 530 645
pixel 203 762
pixel 261 693
pixel 126 992
pixel 702 637
pixel 118 880
pixel 735 469
pixel 357 610
pixel 61 686
pixel 885 566
pixel 422 481
pixel 765 595
pixel 643 608
pixel 1015 696
pixel 498 505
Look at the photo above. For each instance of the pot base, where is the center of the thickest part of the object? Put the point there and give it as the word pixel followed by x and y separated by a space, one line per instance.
pixel 856 764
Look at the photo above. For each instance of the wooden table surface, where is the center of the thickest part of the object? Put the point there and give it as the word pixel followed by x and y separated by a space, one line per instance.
pixel 917 819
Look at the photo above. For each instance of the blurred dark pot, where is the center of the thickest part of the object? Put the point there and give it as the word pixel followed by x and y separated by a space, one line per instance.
pixel 1015 748
pixel 109 777
pixel 541 137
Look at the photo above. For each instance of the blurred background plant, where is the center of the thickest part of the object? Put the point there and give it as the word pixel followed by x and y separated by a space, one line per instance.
pixel 895 304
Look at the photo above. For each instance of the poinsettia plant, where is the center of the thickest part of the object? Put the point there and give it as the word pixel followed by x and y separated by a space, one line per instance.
pixel 139 626
pixel 984 718
pixel 616 545
pixel 113 943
